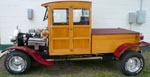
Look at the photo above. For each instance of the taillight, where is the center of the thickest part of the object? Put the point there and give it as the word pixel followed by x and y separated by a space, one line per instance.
pixel 141 37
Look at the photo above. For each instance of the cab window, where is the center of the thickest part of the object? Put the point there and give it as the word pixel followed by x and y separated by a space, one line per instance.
pixel 60 17
pixel 81 16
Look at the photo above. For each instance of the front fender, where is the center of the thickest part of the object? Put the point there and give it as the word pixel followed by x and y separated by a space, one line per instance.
pixel 34 54
pixel 122 48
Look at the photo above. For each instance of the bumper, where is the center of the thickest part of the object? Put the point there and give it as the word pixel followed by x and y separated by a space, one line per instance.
pixel 3 53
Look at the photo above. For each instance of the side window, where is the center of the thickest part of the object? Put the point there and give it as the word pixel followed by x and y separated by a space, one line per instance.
pixel 81 16
pixel 60 17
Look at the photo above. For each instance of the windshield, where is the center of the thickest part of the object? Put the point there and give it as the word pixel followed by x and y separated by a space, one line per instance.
pixel 46 14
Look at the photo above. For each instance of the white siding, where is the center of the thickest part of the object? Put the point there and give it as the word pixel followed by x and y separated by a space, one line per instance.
pixel 106 14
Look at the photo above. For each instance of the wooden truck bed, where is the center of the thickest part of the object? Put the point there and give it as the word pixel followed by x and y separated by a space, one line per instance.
pixel 107 40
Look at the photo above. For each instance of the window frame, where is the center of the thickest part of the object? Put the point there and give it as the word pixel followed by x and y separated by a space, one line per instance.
pixel 67 17
pixel 83 15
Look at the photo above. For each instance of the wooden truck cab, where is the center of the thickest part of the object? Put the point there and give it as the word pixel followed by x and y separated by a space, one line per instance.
pixel 70 37
pixel 69 25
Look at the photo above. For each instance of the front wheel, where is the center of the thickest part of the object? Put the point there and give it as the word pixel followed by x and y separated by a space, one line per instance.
pixel 17 62
pixel 131 63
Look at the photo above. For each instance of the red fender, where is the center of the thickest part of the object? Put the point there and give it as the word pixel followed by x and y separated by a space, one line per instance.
pixel 122 48
pixel 35 55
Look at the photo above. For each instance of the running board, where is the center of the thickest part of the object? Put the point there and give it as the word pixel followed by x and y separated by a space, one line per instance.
pixel 85 58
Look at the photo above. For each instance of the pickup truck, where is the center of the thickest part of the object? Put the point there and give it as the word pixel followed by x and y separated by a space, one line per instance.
pixel 69 36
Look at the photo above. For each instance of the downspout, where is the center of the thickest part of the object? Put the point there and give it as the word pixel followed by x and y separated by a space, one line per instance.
pixel 141 4
pixel 140 9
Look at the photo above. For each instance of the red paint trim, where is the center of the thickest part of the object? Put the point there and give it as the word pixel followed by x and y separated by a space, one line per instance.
pixel 121 49
pixel 32 53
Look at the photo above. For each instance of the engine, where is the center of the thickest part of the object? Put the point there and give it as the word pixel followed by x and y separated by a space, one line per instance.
pixel 34 39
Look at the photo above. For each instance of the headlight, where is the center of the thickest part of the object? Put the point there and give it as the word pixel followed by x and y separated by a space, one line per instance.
pixel 14 36
pixel 15 33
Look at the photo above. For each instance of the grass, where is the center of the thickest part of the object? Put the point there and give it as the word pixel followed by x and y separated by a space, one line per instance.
pixel 90 68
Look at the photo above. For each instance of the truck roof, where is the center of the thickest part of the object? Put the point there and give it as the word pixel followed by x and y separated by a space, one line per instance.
pixel 48 3
pixel 109 31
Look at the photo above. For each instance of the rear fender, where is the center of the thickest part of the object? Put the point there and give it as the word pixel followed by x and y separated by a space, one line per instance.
pixel 122 48
pixel 34 54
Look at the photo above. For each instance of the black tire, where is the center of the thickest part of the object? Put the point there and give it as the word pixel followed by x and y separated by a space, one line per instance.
pixel 128 60
pixel 17 59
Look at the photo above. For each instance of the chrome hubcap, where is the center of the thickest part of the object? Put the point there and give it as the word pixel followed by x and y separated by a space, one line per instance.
pixel 133 64
pixel 17 63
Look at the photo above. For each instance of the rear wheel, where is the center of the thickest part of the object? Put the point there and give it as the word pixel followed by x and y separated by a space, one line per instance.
pixel 131 63
pixel 17 62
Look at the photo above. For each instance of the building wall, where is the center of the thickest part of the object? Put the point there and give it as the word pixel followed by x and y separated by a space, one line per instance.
pixel 114 13
pixel 106 14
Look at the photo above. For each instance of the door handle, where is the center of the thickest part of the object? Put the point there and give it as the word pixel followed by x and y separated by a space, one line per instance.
pixel 71 29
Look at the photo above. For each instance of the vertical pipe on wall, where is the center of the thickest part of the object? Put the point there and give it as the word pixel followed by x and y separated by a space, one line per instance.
pixel 141 4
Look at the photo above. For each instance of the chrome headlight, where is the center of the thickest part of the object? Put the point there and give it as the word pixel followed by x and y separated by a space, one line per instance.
pixel 14 36
pixel 15 33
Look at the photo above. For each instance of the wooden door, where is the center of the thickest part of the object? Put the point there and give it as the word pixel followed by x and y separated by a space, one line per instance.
pixel 81 31
pixel 60 31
